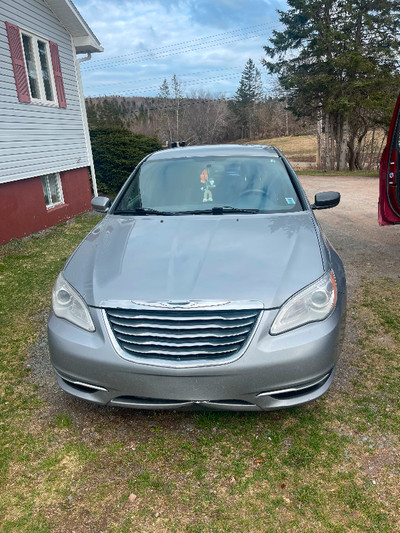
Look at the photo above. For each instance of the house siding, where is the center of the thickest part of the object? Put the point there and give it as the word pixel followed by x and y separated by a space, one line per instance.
pixel 38 139
pixel 23 209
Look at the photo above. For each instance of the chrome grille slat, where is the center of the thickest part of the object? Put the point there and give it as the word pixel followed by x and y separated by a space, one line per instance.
pixel 185 334
pixel 181 334
pixel 204 342
pixel 177 315
pixel 181 353
pixel 173 325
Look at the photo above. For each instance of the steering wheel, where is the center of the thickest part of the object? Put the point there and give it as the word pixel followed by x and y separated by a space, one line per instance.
pixel 262 192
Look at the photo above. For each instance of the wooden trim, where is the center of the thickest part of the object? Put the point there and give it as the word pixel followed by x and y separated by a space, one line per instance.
pixel 18 63
pixel 58 77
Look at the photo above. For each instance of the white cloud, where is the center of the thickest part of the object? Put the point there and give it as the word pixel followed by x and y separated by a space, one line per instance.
pixel 167 38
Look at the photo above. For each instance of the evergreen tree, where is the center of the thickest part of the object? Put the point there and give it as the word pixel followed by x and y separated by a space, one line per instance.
pixel 171 112
pixel 338 61
pixel 177 95
pixel 105 113
pixel 248 95
pixel 91 113
pixel 164 91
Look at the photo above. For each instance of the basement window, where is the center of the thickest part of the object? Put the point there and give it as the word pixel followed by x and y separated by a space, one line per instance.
pixel 52 190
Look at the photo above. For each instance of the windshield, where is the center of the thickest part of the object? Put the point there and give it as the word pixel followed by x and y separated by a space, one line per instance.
pixel 203 185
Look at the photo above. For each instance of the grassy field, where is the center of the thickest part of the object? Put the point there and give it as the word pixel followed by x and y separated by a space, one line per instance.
pixel 301 151
pixel 360 173
pixel 302 148
pixel 67 466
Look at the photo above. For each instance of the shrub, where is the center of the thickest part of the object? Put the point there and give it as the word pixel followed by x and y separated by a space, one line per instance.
pixel 116 152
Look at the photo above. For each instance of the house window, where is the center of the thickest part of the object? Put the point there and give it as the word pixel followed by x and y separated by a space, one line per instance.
pixel 37 68
pixel 40 76
pixel 52 190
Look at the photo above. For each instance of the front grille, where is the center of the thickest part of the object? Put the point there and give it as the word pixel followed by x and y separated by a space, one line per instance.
pixel 181 335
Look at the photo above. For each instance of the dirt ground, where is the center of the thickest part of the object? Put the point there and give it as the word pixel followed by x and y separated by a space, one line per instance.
pixel 368 250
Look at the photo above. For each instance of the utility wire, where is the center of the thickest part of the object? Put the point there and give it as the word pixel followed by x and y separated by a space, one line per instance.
pixel 199 40
pixel 189 83
pixel 146 56
pixel 162 77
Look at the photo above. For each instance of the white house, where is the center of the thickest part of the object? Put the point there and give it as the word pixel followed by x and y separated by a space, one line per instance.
pixel 45 152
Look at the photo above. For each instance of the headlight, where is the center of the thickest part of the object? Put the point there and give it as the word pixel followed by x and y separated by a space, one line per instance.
pixel 312 304
pixel 68 304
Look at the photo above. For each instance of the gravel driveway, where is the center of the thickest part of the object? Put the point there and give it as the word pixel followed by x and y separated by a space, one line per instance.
pixel 368 250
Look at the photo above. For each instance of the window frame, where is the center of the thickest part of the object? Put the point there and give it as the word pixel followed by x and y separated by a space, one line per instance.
pixel 45 180
pixel 38 66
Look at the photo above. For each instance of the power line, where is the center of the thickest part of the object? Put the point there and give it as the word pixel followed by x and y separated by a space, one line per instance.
pixel 188 83
pixel 199 40
pixel 160 55
pixel 182 48
pixel 195 81
pixel 161 78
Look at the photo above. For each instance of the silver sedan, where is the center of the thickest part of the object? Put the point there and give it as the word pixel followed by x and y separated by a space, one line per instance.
pixel 208 283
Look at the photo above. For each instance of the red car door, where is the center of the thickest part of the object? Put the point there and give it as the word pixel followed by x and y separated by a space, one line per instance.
pixel 389 174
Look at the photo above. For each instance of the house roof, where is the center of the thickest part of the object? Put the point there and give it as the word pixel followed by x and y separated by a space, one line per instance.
pixel 83 38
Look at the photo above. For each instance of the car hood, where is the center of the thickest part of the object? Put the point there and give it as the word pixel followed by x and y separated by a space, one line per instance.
pixel 264 258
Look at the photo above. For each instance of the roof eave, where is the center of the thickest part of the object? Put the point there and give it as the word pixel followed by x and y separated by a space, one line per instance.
pixel 85 45
pixel 84 39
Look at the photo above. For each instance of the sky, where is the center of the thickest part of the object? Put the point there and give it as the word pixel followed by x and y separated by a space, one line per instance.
pixel 206 43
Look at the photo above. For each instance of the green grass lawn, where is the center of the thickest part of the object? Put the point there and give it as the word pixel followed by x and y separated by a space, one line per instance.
pixel 331 466
pixel 360 173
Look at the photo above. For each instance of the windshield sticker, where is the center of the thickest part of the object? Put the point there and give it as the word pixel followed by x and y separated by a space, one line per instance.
pixel 290 201
pixel 208 184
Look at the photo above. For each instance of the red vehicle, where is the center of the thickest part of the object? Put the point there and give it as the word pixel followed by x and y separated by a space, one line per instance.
pixel 389 175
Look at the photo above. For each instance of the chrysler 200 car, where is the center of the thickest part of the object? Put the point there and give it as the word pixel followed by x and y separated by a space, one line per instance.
pixel 208 283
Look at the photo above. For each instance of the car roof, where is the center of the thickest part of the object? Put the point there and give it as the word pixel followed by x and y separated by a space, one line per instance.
pixel 244 150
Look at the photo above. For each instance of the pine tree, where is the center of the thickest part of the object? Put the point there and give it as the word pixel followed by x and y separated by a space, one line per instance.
pixel 338 60
pixel 171 95
pixel 248 95
pixel 164 91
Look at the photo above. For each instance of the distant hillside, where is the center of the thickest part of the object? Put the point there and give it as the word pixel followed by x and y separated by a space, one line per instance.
pixel 197 120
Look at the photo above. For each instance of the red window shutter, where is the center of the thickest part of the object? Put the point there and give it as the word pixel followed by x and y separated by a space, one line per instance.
pixel 58 78
pixel 18 63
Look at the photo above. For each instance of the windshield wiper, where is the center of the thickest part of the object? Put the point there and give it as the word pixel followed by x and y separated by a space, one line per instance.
pixel 229 209
pixel 144 211
pixel 218 210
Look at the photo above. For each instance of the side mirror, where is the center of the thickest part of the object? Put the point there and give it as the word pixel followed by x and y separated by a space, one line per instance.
pixel 325 200
pixel 101 204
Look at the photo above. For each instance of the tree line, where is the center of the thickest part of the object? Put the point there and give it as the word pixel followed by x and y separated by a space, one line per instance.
pixel 337 68
pixel 197 118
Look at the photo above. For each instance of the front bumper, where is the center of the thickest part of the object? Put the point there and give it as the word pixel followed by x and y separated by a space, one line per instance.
pixel 274 371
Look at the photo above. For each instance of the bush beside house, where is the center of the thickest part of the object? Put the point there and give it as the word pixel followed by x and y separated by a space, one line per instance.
pixel 116 152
